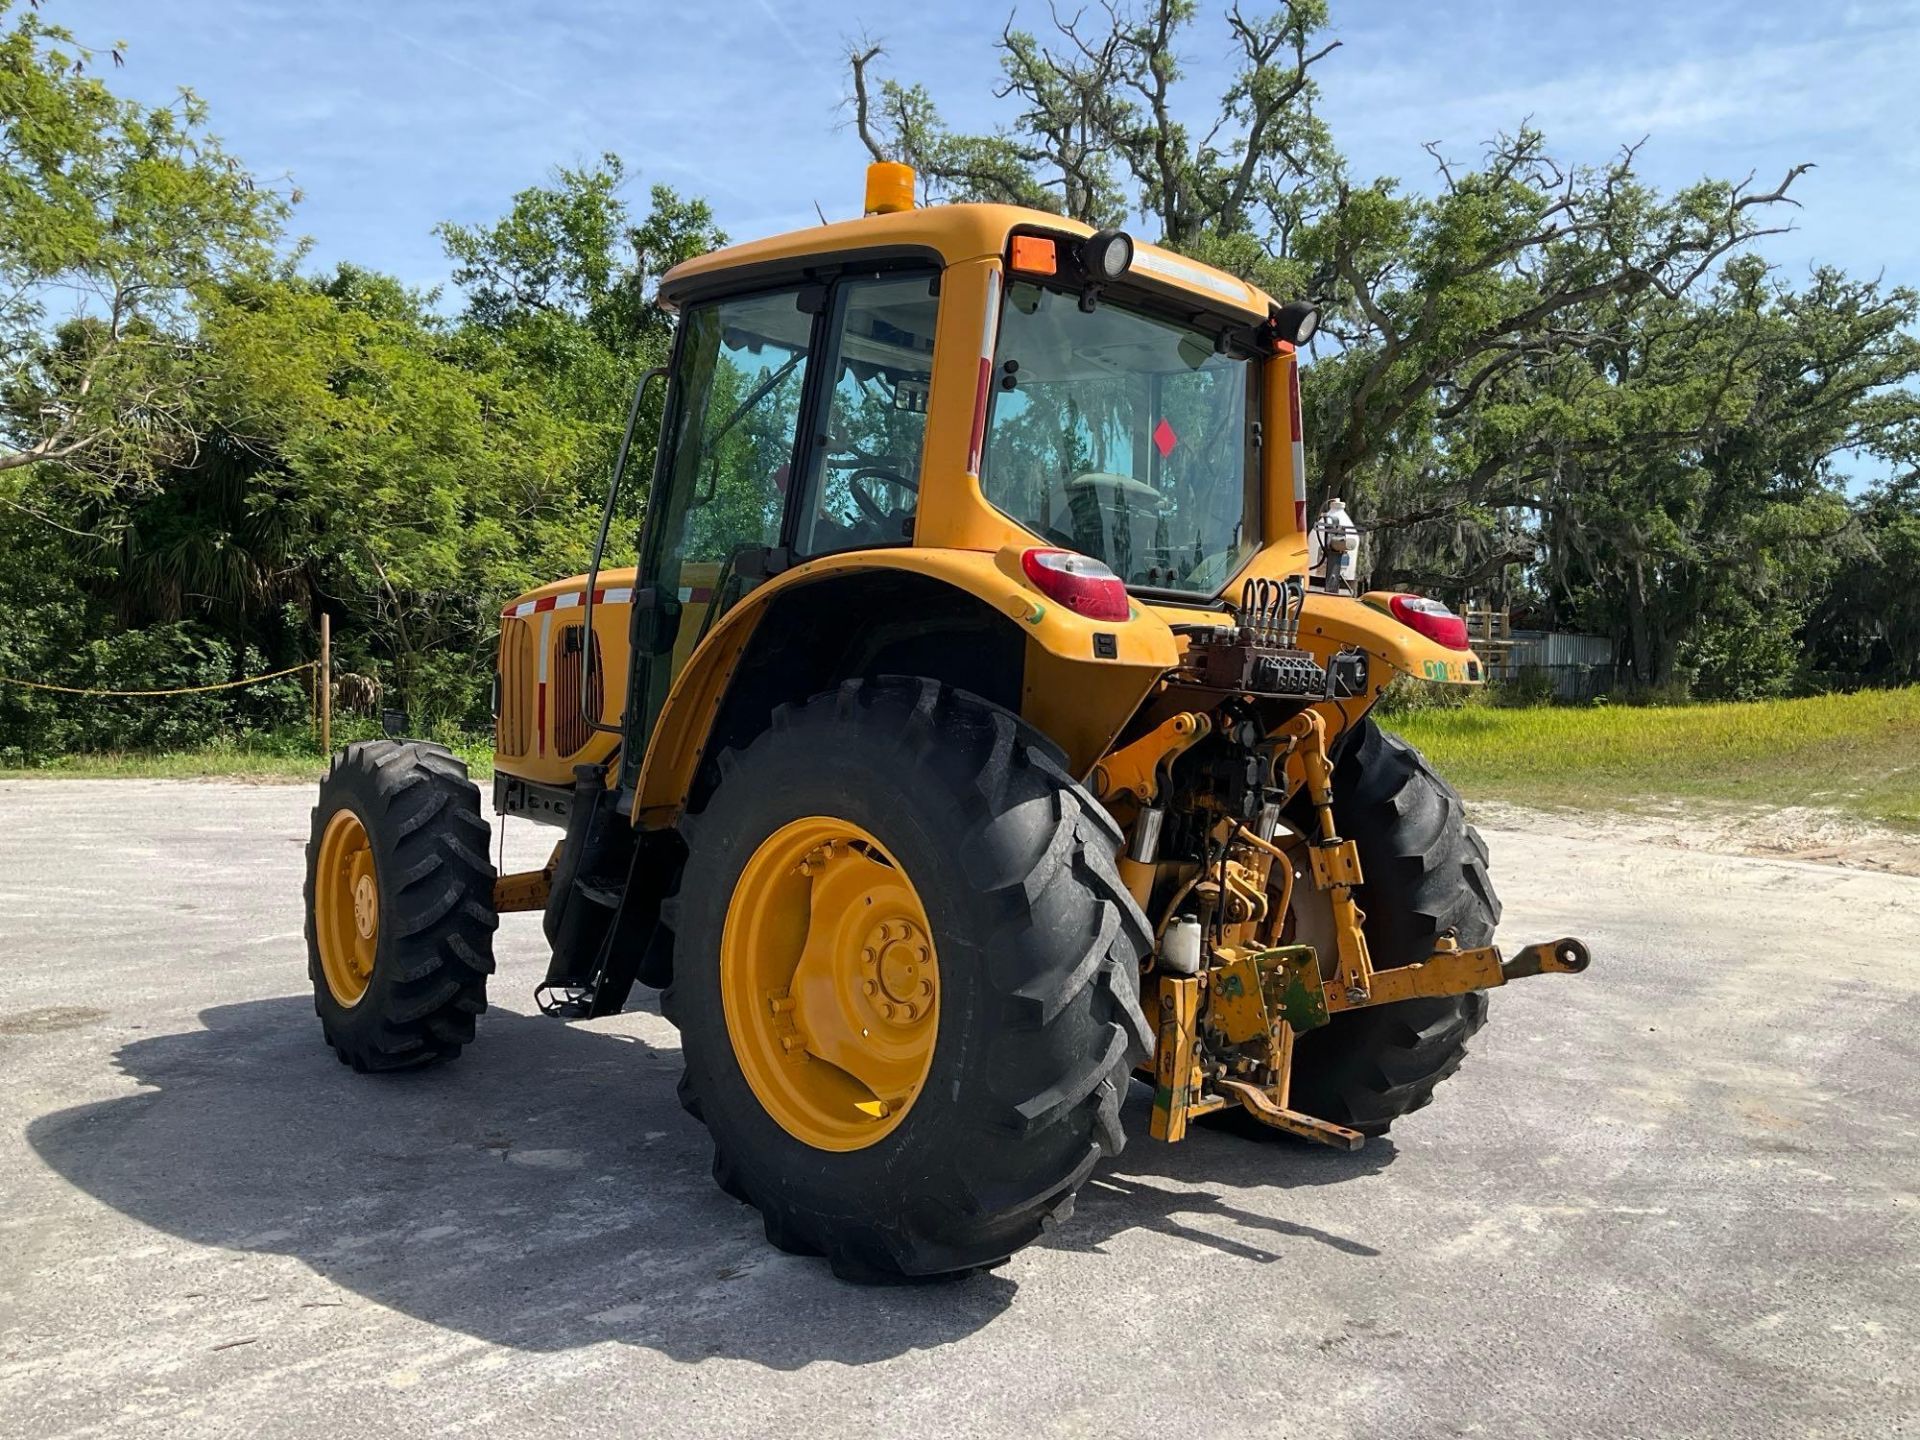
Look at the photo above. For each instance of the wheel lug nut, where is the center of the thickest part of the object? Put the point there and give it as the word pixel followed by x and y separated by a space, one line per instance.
pixel 870 987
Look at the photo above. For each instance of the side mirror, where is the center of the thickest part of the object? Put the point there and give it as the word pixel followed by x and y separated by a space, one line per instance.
pixel 656 621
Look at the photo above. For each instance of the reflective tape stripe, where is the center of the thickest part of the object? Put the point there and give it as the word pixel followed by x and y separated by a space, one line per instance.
pixel 983 389
pixel 619 595
pixel 1164 266
pixel 1298 436
pixel 540 689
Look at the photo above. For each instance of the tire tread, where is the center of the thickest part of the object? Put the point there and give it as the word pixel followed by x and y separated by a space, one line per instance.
pixel 437 921
pixel 1039 1084
pixel 1426 874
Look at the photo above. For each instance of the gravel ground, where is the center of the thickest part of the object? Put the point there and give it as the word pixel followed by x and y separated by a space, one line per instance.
pixel 1786 832
pixel 1675 1196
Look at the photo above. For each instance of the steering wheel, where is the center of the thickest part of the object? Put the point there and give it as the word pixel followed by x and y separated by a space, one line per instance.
pixel 1211 573
pixel 1122 487
pixel 869 504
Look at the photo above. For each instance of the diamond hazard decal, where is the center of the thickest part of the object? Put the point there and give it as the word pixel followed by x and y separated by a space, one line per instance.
pixel 1164 439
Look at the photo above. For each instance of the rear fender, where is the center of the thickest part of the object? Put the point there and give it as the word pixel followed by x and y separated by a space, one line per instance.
pixel 1332 623
pixel 1340 622
pixel 1080 680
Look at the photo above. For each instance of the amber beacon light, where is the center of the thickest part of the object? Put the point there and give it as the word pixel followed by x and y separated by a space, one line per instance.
pixel 889 187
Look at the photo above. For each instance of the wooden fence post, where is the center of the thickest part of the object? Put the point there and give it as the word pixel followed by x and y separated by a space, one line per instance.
pixel 326 683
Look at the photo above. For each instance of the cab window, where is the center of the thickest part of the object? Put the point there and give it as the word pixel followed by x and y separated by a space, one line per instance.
pixel 739 374
pixel 865 487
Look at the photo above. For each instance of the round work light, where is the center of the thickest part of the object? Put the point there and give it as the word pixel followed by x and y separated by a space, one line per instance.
pixel 1107 254
pixel 1296 321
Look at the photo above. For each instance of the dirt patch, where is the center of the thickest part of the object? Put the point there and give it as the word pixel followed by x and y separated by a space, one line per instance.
pixel 49 1019
pixel 1792 832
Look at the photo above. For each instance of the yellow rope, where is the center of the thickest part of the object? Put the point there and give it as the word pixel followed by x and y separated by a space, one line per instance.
pixel 183 690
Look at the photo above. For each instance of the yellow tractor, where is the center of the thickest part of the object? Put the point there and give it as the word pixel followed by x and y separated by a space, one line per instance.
pixel 969 741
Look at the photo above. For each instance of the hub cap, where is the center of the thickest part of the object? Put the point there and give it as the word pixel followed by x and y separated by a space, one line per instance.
pixel 830 983
pixel 346 907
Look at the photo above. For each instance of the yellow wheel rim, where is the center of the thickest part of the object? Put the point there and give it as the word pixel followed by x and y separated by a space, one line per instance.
pixel 346 907
pixel 830 983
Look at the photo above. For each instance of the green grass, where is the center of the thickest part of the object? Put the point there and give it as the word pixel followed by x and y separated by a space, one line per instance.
pixel 1856 754
pixel 269 759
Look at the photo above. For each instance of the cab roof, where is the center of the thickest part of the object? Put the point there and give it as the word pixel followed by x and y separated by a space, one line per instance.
pixel 946 235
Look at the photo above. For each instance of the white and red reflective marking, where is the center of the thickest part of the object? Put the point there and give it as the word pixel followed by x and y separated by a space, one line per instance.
pixel 571 600
pixel 984 388
pixel 1299 437
pixel 544 608
pixel 540 688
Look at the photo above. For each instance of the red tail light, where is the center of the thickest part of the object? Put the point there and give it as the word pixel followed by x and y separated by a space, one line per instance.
pixel 1079 582
pixel 1431 619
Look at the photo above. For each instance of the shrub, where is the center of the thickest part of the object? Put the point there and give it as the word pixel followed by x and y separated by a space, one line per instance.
pixel 37 724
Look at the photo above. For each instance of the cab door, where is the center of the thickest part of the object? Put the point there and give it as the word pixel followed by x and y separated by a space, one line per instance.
pixel 735 396
pixel 794 428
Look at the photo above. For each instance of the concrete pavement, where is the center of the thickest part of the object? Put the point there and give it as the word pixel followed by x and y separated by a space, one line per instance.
pixel 1674 1196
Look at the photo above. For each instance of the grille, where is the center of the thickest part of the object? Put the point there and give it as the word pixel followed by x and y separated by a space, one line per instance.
pixel 513 725
pixel 572 648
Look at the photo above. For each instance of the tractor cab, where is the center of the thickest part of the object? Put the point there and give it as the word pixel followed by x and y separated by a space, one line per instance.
pixel 1085 429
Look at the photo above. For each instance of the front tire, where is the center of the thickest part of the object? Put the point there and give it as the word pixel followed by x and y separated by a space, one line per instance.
pixel 400 915
pixel 1038 950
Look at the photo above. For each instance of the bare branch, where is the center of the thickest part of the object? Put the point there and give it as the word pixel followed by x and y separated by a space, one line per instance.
pixel 46 519
pixel 857 61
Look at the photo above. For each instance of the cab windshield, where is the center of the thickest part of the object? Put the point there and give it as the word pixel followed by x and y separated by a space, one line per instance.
pixel 1126 437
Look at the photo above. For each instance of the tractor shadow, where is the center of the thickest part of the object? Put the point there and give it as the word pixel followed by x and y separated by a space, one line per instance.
pixel 547 1192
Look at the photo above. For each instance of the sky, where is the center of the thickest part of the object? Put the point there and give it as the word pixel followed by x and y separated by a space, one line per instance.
pixel 391 117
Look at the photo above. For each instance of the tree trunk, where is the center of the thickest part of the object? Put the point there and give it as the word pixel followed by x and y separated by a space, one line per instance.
pixel 1639 635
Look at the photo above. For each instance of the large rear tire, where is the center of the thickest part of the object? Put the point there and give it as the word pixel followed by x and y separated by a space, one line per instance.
pixel 1425 874
pixel 965 821
pixel 400 915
